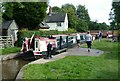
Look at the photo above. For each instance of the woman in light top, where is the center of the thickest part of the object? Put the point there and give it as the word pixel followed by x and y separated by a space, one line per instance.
pixel 78 39
pixel 88 38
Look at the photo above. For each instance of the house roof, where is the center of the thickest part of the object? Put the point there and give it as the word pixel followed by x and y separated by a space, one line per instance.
pixel 6 24
pixel 55 17
pixel 43 25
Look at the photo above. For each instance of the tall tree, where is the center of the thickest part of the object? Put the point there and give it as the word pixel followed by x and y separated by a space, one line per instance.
pixel 7 8
pixel 82 13
pixel 115 15
pixel 84 18
pixel 27 14
pixel 72 18
pixel 82 26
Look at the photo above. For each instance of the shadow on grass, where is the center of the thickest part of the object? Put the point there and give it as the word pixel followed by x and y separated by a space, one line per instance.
pixel 107 75
pixel 112 55
pixel 111 49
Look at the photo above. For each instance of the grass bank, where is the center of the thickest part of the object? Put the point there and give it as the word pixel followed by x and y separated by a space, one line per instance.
pixel 104 66
pixel 9 50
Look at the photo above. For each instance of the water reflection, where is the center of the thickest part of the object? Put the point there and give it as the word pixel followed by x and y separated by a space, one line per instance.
pixel 10 68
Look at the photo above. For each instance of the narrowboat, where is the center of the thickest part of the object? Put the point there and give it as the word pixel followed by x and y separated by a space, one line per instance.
pixel 36 46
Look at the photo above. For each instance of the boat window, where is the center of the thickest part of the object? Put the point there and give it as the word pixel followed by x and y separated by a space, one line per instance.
pixel 36 44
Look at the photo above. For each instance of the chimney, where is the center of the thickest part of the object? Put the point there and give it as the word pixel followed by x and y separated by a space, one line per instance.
pixel 50 11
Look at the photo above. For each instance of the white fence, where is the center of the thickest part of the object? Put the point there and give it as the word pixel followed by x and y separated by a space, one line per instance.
pixel 6 41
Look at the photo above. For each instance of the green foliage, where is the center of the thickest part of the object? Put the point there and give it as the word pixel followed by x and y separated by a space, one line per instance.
pixel 8 10
pixel 72 18
pixel 9 50
pixel 82 13
pixel 67 6
pixel 26 14
pixel 56 9
pixel 82 26
pixel 115 15
pixel 79 67
pixel 84 18
pixel 98 26
pixel 71 30
pixel 77 19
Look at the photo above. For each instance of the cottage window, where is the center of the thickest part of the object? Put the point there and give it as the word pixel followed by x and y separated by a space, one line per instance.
pixel 58 24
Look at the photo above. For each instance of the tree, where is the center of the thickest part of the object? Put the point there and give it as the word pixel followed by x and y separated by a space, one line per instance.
pixel 82 13
pixel 67 6
pixel 7 9
pixel 56 9
pixel 84 18
pixel 82 26
pixel 72 18
pixel 26 14
pixel 115 15
pixel 94 25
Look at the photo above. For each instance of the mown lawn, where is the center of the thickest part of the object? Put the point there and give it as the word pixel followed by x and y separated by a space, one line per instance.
pixel 104 66
pixel 9 50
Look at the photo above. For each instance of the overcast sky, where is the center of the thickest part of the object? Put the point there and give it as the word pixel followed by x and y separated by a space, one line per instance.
pixel 97 9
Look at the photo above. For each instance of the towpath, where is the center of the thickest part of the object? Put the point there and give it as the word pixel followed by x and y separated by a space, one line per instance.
pixel 73 51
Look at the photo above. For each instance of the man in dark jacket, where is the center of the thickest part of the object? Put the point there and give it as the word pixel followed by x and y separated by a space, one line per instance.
pixel 49 50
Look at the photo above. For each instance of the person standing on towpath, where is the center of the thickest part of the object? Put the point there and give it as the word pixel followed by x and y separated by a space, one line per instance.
pixel 78 39
pixel 88 38
pixel 100 35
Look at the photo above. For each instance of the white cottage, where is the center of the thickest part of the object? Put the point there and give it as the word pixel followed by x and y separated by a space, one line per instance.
pixel 10 28
pixel 57 21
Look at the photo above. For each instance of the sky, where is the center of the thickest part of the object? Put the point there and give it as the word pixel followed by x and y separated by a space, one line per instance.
pixel 98 9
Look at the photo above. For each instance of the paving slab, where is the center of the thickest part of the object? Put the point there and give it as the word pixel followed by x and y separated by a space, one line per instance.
pixel 84 52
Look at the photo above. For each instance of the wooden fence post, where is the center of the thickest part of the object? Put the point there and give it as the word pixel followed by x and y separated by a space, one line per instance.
pixel 12 41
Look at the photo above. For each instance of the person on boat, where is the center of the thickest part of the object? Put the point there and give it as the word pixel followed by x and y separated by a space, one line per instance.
pixel 24 46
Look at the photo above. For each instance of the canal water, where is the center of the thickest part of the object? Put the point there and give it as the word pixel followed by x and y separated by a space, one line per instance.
pixel 10 68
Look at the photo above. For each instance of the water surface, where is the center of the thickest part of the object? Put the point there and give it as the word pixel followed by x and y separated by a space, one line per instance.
pixel 10 68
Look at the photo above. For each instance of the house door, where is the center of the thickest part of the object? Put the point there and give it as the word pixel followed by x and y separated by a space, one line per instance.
pixel 14 34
